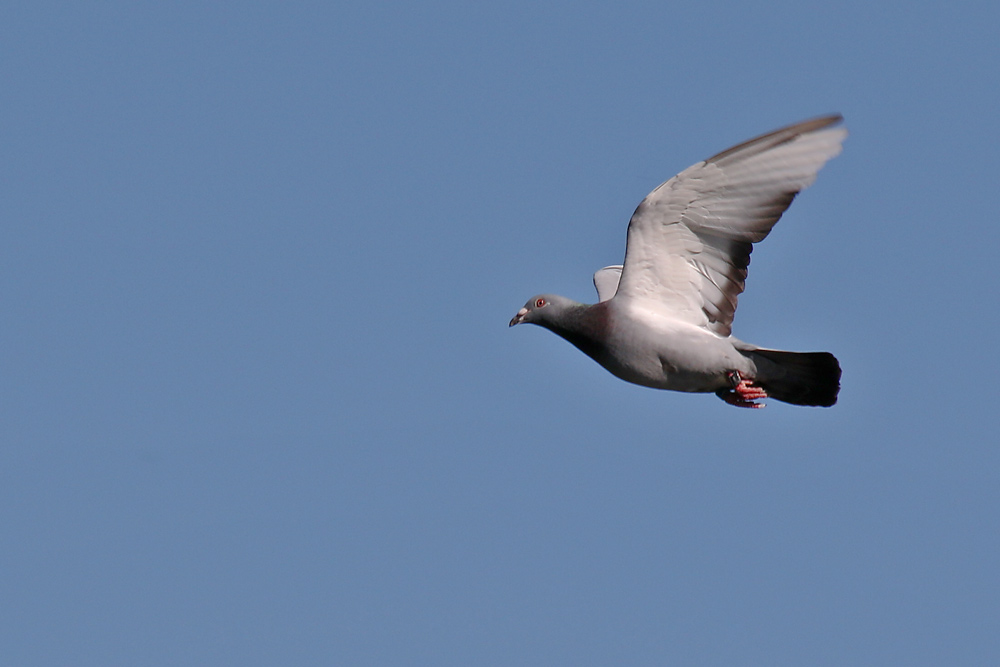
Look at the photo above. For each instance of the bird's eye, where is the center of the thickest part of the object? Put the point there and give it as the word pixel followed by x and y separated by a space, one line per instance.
pixel 539 303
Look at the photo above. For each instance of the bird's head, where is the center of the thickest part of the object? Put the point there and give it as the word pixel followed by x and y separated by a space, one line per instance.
pixel 542 310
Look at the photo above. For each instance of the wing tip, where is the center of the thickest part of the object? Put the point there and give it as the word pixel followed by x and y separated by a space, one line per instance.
pixel 782 135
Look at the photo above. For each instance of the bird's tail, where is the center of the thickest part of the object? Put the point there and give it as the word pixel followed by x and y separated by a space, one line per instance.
pixel 800 378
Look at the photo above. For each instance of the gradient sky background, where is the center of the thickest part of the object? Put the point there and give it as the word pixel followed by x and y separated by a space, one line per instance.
pixel 260 405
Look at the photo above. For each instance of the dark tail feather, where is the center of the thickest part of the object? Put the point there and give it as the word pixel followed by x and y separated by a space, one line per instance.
pixel 800 378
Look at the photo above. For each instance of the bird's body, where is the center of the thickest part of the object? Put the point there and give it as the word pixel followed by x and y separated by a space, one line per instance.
pixel 664 317
pixel 665 354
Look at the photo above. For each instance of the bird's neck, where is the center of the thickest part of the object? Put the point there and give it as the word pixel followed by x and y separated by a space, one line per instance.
pixel 585 327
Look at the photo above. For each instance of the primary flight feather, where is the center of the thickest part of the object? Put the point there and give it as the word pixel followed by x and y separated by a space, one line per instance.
pixel 664 318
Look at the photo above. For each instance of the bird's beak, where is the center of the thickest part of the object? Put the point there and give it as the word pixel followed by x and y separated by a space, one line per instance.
pixel 517 319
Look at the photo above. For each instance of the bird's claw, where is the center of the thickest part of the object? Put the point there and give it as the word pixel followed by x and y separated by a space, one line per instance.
pixel 744 392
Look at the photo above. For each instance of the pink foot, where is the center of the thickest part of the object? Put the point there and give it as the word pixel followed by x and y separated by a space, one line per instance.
pixel 743 393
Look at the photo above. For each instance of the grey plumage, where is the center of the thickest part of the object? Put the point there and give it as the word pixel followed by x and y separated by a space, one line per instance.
pixel 664 318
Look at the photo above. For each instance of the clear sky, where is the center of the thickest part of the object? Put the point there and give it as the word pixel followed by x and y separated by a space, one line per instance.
pixel 259 404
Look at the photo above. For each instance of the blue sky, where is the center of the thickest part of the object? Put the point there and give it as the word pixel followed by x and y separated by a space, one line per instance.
pixel 260 404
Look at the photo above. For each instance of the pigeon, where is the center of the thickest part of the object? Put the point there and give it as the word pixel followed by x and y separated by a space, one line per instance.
pixel 664 317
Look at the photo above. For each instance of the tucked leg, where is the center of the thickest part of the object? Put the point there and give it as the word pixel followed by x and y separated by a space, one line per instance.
pixel 743 393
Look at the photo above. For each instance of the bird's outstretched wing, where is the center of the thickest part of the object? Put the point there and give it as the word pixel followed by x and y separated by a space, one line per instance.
pixel 606 281
pixel 689 241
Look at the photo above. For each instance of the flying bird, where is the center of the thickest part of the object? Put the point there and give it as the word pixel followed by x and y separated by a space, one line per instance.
pixel 664 318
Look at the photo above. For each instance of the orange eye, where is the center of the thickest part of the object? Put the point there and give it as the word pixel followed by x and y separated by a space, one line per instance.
pixel 539 303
